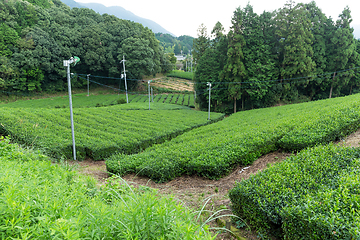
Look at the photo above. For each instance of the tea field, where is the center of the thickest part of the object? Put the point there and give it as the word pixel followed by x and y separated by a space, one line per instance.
pixel 81 100
pixel 313 195
pixel 99 131
pixel 78 100
pixel 182 99
pixel 212 151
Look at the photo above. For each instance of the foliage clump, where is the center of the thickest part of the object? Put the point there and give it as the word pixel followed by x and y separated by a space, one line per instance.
pixel 311 195
pixel 41 200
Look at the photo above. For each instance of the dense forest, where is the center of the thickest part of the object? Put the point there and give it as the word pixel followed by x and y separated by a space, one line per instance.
pixel 37 35
pixel 293 54
pixel 176 45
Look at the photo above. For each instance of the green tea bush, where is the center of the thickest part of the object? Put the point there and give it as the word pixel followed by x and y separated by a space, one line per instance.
pixel 323 128
pixel 286 194
pixel 41 200
pixel 181 74
pixel 99 132
pixel 78 100
pixel 333 213
pixel 212 151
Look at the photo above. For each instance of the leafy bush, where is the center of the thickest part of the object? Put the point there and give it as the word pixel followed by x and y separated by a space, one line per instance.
pixel 330 214
pixel 288 193
pixel 41 200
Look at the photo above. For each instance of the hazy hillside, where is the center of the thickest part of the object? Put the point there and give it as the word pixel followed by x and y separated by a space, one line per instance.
pixel 119 12
pixel 175 44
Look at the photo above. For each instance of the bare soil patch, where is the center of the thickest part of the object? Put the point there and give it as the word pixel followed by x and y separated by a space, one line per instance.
pixel 193 191
pixel 175 84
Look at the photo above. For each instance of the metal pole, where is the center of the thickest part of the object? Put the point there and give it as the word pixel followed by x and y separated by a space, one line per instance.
pixel 152 94
pixel 71 111
pixel 88 84
pixel 123 61
pixel 209 84
pixel 149 92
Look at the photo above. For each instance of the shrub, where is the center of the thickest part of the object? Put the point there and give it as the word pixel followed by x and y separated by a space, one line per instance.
pixel 284 194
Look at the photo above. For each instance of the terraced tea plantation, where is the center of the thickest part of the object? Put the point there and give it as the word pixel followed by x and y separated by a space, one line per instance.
pixel 99 132
pixel 79 100
pixel 212 151
pixel 182 99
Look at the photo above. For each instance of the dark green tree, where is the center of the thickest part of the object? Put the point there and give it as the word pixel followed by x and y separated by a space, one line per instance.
pixel 234 71
pixel 8 39
pixel 258 59
pixel 209 68
pixel 321 26
pixel 201 43
pixel 296 48
pixel 342 47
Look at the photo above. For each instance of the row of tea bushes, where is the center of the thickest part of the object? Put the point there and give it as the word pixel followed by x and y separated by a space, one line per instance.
pixel 187 99
pixel 99 132
pixel 313 195
pixel 212 151
pixel 78 100
pixel 41 200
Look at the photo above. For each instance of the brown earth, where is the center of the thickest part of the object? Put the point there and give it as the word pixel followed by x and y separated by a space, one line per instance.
pixel 194 191
pixel 173 84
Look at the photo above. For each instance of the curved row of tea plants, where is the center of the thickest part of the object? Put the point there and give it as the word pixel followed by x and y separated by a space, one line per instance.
pixel 99 132
pixel 41 200
pixel 211 151
pixel 181 74
pixel 314 195
pixel 78 100
pixel 173 98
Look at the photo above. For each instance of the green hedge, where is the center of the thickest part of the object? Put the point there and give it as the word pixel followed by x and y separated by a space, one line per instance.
pixel 42 200
pixel 333 213
pixel 286 194
pixel 324 128
pixel 212 151
pixel 181 74
pixel 99 132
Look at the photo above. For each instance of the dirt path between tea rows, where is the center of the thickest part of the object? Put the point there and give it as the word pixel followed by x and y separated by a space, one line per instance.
pixel 193 191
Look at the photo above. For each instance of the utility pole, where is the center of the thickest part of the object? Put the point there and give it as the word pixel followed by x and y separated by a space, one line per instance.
pixel 67 64
pixel 209 84
pixel 123 62
pixel 149 91
pixel 88 84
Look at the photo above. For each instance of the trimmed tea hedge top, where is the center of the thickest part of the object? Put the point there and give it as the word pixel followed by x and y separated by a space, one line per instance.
pixel 99 132
pixel 211 151
pixel 312 195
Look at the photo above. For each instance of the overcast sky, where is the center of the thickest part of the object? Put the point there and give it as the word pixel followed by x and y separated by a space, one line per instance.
pixel 185 16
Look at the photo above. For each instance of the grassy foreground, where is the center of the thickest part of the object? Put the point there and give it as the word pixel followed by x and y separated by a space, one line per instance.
pixel 40 200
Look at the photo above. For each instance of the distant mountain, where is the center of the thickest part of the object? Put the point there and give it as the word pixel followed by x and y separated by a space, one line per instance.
pixel 119 12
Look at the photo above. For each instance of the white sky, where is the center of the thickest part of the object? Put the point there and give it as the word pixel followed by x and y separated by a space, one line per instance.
pixel 185 16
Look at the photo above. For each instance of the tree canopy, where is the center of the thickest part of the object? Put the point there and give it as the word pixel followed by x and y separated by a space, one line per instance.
pixel 37 35
pixel 292 54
